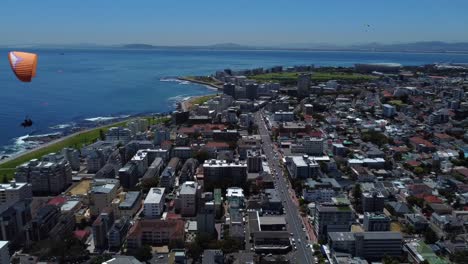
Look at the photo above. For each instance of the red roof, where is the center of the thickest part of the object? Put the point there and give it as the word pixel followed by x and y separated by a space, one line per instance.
pixel 442 136
pixel 175 227
pixel 57 201
pixel 166 144
pixel 462 171
pixel 213 144
pixel 421 141
pixel 413 163
pixel 81 234
pixel 399 149
pixel 387 94
pixel 316 134
pixel 432 199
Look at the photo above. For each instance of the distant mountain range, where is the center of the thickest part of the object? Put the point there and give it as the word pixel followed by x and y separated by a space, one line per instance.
pixel 423 46
pixel 428 46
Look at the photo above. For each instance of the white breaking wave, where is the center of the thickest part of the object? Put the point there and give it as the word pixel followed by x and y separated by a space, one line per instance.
pixel 20 144
pixel 62 126
pixel 42 135
pixel 178 98
pixel 171 79
pixel 105 118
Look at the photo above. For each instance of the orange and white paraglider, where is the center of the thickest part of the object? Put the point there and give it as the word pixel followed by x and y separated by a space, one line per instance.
pixel 23 65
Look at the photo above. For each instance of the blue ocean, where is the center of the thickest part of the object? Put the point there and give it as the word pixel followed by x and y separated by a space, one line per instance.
pixel 74 85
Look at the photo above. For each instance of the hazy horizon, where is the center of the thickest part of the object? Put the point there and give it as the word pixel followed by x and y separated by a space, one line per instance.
pixel 252 23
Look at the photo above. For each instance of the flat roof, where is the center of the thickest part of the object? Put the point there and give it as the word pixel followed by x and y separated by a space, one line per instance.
pixel 341 236
pixel 3 243
pixel 272 220
pixel 68 205
pixel 130 199
pixel 235 192
pixel 154 195
pixel 106 188
pixel 12 186
pixel 188 187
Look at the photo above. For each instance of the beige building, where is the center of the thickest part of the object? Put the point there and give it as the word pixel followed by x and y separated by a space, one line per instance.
pixel 101 194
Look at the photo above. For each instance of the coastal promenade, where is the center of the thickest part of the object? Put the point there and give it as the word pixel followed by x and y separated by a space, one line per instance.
pixel 194 80
pixel 83 137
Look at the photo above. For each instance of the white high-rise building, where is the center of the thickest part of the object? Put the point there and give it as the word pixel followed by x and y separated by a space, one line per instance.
pixel 313 146
pixel 73 157
pixel 153 206
pixel 4 253
pixel 119 134
pixel 50 176
pixel 13 192
pixel 188 198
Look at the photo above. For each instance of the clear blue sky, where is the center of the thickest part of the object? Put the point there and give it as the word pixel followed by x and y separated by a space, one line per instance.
pixel 253 22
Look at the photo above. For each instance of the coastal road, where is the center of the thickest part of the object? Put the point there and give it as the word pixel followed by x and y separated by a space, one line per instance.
pixel 53 142
pixel 303 253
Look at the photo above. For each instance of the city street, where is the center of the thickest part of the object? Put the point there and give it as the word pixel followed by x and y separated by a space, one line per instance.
pixel 303 253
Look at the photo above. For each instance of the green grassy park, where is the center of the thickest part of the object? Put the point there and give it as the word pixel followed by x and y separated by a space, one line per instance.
pixel 202 99
pixel 78 140
pixel 290 78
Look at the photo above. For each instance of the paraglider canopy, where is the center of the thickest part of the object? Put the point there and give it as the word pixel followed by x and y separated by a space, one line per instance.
pixel 23 65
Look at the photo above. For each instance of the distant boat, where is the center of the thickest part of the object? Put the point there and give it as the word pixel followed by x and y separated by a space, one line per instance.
pixel 61 53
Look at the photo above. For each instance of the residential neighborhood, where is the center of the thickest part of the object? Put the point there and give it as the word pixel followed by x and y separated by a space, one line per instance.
pixel 302 164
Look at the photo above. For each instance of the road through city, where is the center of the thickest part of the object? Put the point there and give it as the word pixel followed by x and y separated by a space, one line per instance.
pixel 302 250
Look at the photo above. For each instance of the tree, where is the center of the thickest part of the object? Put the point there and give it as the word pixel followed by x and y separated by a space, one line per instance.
pixel 389 260
pixel 201 156
pixel 375 137
pixel 174 244
pixel 194 250
pixel 5 178
pixel 147 184
pixel 102 136
pixel 430 237
pixel 143 253
pixel 418 170
pixel 357 196
pixel 413 200
pixel 100 259
pixel 459 257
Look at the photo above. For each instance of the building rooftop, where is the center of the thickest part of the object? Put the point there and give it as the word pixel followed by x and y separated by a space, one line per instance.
pixel 106 188
pixel 188 188
pixel 130 199
pixel 341 236
pixel 69 205
pixel 322 208
pixel 235 192
pixel 272 220
pixel 154 195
